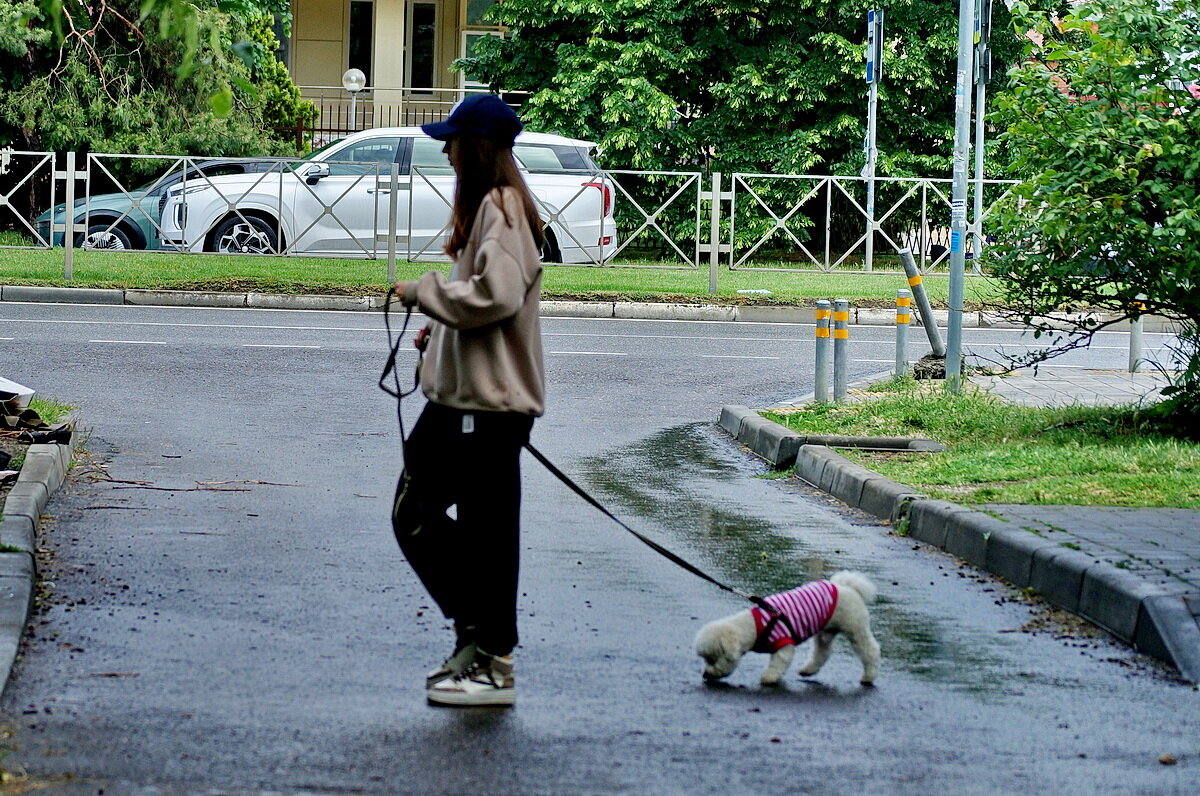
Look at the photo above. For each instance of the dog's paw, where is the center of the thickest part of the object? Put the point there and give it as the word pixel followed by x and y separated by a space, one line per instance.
pixel 867 683
pixel 809 671
pixel 769 679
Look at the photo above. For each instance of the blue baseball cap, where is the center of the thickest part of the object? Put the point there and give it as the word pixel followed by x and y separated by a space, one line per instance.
pixel 483 115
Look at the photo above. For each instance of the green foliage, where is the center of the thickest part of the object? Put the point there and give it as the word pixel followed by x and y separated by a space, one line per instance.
pixel 162 76
pixel 1106 132
pixel 18 29
pixel 770 85
pixel 276 95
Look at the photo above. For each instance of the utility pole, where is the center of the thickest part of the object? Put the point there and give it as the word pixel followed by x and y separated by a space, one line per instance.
pixel 874 75
pixel 958 196
pixel 983 76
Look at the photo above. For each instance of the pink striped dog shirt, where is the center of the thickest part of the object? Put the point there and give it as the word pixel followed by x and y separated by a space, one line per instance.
pixel 808 608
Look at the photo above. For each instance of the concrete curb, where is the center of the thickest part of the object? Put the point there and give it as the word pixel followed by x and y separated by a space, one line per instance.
pixel 779 445
pixel 1151 618
pixel 639 310
pixel 41 475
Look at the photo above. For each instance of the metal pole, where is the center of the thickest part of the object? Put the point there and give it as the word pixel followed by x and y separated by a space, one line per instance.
pixel 874 72
pixel 841 348
pixel 982 72
pixel 977 248
pixel 918 288
pixel 958 196
pixel 393 195
pixel 822 352
pixel 903 302
pixel 714 233
pixel 1135 336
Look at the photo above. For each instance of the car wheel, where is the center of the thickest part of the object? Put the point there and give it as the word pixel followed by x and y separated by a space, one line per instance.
pixel 100 237
pixel 249 235
pixel 550 252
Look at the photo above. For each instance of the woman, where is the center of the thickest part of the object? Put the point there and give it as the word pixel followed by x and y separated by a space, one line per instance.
pixel 457 511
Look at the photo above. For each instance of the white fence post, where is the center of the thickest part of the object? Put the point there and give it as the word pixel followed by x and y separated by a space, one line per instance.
pixel 394 185
pixel 69 227
pixel 714 233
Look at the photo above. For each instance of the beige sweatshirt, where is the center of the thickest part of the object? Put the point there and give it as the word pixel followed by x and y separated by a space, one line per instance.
pixel 485 349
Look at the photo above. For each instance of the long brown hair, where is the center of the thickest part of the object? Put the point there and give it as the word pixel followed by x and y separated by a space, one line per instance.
pixel 484 164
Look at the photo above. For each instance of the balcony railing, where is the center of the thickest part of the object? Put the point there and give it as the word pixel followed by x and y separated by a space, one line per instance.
pixel 340 113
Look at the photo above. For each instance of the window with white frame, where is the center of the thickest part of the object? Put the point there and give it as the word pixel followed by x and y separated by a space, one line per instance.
pixel 469 40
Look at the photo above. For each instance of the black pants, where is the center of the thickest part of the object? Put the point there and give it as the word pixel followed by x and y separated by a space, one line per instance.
pixel 457 516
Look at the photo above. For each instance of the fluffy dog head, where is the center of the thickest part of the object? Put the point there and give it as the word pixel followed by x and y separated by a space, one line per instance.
pixel 723 643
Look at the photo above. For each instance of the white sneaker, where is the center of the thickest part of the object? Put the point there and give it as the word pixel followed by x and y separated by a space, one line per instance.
pixel 453 666
pixel 487 681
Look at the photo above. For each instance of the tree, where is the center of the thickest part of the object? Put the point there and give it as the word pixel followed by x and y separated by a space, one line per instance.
pixel 732 85
pixel 1104 115
pixel 162 77
pixel 762 86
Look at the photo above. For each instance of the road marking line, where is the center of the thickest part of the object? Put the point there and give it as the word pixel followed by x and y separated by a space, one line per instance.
pixel 269 345
pixel 593 353
pixel 131 342
pixel 201 325
pixel 731 356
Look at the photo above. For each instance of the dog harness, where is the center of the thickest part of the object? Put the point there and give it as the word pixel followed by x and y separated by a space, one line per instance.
pixel 794 616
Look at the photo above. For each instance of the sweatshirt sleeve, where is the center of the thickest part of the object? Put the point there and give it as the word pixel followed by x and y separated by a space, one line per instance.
pixel 499 283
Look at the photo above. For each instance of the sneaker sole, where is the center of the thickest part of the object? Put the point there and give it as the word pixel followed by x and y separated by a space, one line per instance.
pixel 501 699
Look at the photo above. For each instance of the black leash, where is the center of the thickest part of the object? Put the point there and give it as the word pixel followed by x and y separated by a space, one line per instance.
pixel 399 393
pixel 653 545
pixel 775 615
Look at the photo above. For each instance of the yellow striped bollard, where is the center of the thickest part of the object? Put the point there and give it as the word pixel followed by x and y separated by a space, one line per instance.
pixel 841 348
pixel 1135 334
pixel 821 386
pixel 903 317
pixel 918 291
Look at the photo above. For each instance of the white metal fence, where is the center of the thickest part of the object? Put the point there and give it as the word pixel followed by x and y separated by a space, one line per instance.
pixel 662 219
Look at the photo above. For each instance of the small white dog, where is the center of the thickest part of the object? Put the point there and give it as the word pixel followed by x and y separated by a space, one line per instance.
pixel 822 609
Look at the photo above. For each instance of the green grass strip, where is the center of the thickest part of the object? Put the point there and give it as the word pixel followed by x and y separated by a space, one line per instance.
pixel 332 276
pixel 1006 453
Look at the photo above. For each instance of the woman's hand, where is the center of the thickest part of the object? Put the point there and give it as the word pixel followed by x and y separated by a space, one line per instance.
pixel 398 290
pixel 422 339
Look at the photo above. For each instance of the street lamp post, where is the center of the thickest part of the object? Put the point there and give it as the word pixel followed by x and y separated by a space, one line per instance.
pixel 354 81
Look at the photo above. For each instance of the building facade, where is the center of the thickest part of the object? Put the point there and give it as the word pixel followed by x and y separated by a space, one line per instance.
pixel 404 47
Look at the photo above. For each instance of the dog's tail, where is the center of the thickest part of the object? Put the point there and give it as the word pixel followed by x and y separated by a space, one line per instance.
pixel 857 581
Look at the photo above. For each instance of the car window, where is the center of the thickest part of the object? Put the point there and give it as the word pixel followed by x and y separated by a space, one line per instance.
pixel 553 157
pixel 427 155
pixel 224 168
pixel 370 152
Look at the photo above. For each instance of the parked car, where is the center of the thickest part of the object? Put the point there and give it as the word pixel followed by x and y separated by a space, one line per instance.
pixel 130 220
pixel 337 201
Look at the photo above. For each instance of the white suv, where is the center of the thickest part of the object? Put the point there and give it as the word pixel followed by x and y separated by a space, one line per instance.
pixel 337 201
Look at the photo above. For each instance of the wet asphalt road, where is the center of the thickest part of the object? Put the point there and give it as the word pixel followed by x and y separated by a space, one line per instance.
pixel 272 639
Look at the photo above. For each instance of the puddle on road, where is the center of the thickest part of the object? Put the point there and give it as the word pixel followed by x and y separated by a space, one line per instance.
pixel 684 481
pixel 675 480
